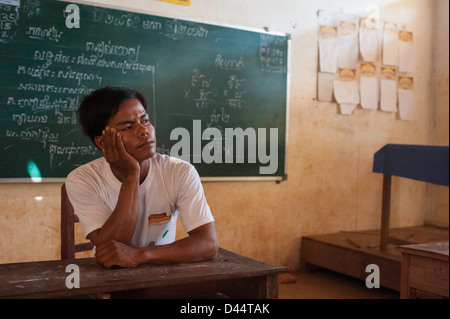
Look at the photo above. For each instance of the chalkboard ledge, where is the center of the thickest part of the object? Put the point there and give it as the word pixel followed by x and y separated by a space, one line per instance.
pixel 29 180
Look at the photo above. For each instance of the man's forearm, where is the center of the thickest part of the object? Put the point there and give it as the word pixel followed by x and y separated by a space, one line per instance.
pixel 200 245
pixel 121 224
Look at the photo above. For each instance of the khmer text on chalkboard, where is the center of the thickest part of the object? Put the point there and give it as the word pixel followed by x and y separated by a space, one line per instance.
pixel 217 94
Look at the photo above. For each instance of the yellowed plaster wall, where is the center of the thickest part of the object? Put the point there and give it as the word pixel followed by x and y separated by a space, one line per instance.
pixel 330 184
pixel 437 213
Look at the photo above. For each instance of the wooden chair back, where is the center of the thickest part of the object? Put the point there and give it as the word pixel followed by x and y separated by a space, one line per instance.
pixel 68 220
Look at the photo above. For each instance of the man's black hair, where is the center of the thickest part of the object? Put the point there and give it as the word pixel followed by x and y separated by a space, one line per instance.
pixel 99 106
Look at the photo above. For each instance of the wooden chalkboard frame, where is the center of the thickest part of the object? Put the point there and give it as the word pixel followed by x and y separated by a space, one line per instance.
pixel 265 30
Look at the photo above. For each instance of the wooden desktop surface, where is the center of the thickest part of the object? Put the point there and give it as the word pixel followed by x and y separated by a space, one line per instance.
pixel 231 274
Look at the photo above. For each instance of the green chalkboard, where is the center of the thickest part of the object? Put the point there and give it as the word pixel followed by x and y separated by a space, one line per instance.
pixel 217 94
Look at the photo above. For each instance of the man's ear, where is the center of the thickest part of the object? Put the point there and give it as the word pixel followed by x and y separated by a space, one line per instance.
pixel 99 142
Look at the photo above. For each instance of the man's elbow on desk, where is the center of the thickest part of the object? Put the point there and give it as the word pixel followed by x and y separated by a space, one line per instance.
pixel 208 244
pixel 201 244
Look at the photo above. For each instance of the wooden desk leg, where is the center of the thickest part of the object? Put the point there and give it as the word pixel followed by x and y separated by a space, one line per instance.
pixel 271 287
pixel 404 282
pixel 385 211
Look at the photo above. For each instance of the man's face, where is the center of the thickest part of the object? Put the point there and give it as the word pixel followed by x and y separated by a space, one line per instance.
pixel 138 134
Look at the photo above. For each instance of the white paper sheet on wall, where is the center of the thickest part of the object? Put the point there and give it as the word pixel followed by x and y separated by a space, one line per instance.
pixel 348 45
pixel 369 93
pixel 405 97
pixel 386 46
pixel 390 44
pixel 388 100
pixel 346 91
pixel 347 109
pixel 328 49
pixel 388 89
pixel 406 51
pixel 368 40
pixel 369 86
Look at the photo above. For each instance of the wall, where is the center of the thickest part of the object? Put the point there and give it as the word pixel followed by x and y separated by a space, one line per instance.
pixel 330 184
pixel 437 212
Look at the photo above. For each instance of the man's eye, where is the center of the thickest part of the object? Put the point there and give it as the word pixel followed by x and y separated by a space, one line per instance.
pixel 129 127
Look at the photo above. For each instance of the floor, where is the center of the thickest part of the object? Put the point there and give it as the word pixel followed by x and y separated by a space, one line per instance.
pixel 350 252
pixel 325 284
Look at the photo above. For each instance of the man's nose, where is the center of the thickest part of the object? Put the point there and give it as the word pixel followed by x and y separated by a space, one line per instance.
pixel 144 130
pixel 144 133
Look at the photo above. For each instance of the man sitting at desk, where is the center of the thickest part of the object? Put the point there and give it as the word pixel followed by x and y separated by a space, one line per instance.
pixel 128 201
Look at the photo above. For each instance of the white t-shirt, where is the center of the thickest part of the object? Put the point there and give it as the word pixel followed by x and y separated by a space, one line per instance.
pixel 171 187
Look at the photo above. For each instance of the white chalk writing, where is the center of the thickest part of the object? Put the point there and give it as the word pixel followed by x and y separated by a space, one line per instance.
pixel 40 73
pixel 229 64
pixel 49 57
pixel 39 33
pixel 41 135
pixel 272 53
pixel 45 103
pixel 130 19
pixel 176 28
pixel 72 150
pixel 151 25
pixel 95 60
pixel 29 118
pixel 9 15
pixel 124 65
pixel 49 88
pixel 106 48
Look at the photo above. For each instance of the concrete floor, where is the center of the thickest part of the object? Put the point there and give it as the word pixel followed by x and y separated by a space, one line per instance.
pixel 325 284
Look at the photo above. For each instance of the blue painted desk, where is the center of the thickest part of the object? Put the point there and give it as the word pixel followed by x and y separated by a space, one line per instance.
pixel 418 162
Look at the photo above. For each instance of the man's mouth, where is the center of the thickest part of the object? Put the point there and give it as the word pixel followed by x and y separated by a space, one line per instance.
pixel 147 143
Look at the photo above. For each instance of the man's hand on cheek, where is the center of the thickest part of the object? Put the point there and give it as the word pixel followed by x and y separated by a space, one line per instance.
pixel 115 153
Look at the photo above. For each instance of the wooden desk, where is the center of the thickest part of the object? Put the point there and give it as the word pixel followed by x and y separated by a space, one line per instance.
pixel 424 271
pixel 230 274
